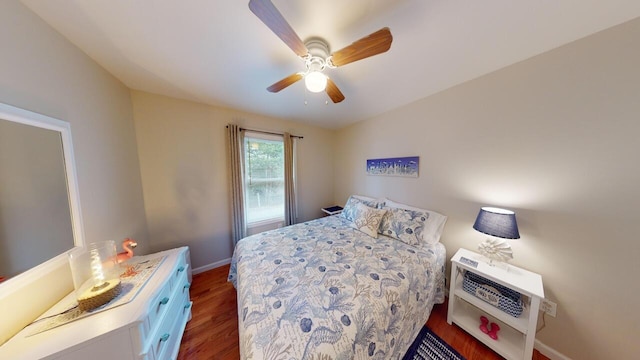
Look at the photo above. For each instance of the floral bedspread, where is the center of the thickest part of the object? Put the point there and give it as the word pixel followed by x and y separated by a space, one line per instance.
pixel 322 290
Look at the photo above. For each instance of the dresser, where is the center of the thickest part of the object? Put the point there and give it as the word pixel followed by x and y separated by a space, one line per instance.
pixel 148 327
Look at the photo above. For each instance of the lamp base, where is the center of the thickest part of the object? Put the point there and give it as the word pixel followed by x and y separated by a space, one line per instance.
pixel 496 250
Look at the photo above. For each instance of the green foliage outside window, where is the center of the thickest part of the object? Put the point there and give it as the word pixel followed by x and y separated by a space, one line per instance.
pixel 264 179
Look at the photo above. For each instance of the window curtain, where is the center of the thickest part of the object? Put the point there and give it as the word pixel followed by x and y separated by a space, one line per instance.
pixel 290 205
pixel 235 143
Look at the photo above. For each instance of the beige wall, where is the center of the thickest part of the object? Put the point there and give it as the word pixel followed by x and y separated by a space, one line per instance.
pixel 555 138
pixel 183 162
pixel 42 72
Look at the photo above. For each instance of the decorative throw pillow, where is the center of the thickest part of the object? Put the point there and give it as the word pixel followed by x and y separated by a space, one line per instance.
pixel 433 226
pixel 367 219
pixel 348 212
pixel 404 225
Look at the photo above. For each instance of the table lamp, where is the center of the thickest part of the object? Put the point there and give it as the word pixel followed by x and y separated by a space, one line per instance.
pixel 500 224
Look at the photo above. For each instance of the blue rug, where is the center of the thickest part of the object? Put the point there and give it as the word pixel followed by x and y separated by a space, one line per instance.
pixel 428 346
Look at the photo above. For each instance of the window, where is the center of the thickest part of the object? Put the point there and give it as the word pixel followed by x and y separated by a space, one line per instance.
pixel 263 178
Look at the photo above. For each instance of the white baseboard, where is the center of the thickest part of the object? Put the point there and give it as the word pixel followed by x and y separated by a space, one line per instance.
pixel 549 352
pixel 214 265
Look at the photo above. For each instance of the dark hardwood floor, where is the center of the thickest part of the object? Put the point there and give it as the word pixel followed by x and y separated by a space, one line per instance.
pixel 212 333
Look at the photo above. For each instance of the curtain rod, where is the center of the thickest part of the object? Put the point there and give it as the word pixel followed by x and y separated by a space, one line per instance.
pixel 267 132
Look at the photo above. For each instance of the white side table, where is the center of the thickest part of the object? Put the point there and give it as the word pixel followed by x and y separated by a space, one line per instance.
pixel 517 334
pixel 332 210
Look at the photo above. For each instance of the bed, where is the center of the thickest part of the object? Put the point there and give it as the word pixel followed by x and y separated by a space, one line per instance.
pixel 324 290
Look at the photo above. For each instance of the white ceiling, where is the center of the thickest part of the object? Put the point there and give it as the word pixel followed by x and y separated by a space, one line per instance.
pixel 218 52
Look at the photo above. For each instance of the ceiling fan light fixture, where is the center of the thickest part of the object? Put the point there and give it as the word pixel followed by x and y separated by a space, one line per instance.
pixel 315 51
pixel 315 81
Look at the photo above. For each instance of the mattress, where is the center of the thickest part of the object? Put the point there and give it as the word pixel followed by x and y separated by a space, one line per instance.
pixel 323 290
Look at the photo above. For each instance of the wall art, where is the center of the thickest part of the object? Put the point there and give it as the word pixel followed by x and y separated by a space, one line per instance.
pixel 402 166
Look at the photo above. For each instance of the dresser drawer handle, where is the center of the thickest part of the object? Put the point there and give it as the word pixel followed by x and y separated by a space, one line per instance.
pixel 164 301
pixel 186 306
pixel 181 269
pixel 164 337
pixel 186 286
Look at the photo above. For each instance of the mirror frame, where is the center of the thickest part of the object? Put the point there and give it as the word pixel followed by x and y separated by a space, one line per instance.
pixel 14 114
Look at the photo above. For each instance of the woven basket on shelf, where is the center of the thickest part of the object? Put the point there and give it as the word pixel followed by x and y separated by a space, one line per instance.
pixel 505 299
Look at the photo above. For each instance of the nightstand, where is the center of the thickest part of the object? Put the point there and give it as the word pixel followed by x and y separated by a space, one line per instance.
pixel 332 210
pixel 517 334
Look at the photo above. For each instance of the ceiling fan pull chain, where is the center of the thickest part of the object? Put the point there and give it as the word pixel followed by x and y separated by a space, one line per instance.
pixel 305 96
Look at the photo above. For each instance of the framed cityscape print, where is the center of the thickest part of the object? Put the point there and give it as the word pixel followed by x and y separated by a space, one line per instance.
pixel 400 166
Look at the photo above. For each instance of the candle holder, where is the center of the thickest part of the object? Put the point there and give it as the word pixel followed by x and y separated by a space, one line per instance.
pixel 96 275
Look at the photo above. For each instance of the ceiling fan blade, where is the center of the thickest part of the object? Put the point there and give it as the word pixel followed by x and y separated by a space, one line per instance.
pixel 373 44
pixel 334 93
pixel 289 80
pixel 270 16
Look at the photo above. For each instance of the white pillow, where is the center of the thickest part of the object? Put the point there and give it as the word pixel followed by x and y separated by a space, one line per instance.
pixel 369 200
pixel 433 226
pixel 367 219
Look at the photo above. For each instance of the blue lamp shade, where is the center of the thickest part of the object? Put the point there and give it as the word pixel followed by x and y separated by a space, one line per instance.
pixel 497 222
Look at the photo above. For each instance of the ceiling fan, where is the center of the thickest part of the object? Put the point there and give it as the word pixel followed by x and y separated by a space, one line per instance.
pixel 315 51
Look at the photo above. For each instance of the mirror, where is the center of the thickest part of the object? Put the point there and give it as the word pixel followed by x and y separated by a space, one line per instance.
pixel 39 205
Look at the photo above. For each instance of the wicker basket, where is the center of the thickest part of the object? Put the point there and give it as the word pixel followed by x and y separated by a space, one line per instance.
pixel 502 297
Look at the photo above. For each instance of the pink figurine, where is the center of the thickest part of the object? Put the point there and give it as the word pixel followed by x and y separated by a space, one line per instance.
pixel 483 324
pixel 127 254
pixel 493 333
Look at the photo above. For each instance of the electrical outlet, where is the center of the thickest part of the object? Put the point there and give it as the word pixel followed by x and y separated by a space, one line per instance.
pixel 548 307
